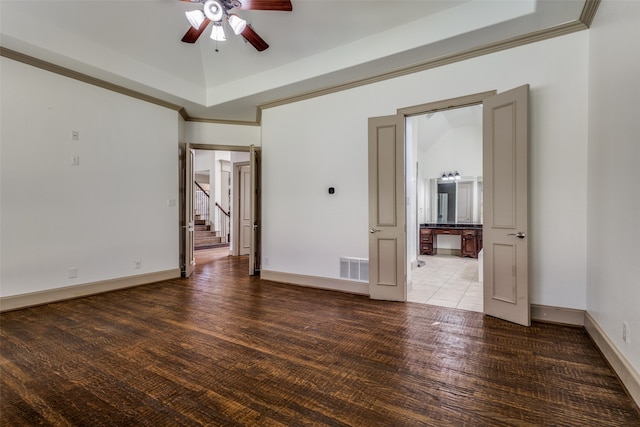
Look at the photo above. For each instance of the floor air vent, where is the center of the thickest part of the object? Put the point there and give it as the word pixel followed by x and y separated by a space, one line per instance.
pixel 354 269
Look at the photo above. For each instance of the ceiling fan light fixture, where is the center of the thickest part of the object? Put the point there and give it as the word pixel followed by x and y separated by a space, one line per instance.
pixel 237 24
pixel 213 10
pixel 195 18
pixel 217 33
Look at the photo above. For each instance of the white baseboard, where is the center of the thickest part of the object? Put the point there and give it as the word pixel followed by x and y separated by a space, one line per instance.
pixel 625 371
pixel 68 292
pixel 350 286
pixel 567 316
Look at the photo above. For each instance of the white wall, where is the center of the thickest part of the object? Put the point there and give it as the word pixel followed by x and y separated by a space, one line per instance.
pixel 460 150
pixel 613 289
pixel 100 216
pixel 312 144
pixel 452 149
pixel 222 134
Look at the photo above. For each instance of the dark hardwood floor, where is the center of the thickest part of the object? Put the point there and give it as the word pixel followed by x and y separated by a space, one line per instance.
pixel 224 349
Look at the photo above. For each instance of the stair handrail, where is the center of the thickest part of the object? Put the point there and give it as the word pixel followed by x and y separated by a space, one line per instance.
pixel 201 202
pixel 200 187
pixel 224 224
pixel 228 214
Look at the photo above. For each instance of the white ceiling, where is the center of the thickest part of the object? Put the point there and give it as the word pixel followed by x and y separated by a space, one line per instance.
pixel 432 126
pixel 320 44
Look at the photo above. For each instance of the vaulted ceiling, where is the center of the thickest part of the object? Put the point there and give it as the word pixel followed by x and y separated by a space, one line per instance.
pixel 319 46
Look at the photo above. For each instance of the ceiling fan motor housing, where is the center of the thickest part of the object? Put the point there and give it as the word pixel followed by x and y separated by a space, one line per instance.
pixel 213 10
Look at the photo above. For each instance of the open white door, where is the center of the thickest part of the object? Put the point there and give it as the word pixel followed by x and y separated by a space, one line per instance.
pixel 244 208
pixel 506 271
pixel 187 220
pixel 254 242
pixel 387 232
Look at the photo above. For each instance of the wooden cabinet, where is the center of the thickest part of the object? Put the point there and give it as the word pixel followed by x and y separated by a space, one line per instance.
pixel 469 246
pixel 426 241
pixel 470 239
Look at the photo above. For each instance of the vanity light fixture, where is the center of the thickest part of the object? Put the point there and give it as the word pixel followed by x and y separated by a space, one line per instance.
pixel 450 176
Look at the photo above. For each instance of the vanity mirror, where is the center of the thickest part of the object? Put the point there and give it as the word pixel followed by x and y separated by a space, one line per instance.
pixel 457 202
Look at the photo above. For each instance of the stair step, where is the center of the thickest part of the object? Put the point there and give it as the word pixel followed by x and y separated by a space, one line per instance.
pixel 203 241
pixel 205 233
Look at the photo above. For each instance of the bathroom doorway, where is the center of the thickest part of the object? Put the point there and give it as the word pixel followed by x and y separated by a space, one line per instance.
pixel 446 190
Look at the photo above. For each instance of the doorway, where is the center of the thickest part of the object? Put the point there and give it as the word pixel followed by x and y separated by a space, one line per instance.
pixel 229 204
pixel 392 209
pixel 446 148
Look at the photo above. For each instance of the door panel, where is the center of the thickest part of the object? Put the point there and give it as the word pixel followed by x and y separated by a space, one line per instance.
pixel 505 134
pixel 254 200
pixel 387 235
pixel 187 220
pixel 245 210
pixel 504 284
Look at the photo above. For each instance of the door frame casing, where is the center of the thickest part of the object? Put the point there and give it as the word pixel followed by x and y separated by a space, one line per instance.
pixel 219 147
pixel 432 107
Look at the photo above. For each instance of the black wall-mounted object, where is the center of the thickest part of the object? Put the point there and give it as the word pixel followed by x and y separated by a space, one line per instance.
pixel 332 190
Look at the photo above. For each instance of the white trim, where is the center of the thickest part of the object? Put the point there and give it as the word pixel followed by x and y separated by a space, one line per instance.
pixel 68 292
pixel 627 374
pixel 353 287
pixel 567 316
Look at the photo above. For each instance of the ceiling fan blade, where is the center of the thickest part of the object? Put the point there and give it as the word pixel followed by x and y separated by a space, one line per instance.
pixel 253 38
pixel 281 5
pixel 192 35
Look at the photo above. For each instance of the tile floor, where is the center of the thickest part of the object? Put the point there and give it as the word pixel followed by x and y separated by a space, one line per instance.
pixel 447 281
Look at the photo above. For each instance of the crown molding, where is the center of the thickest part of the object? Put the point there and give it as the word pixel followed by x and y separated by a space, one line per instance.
pixel 224 122
pixel 582 23
pixel 66 72
pixel 48 66
pixel 536 36
pixel 589 12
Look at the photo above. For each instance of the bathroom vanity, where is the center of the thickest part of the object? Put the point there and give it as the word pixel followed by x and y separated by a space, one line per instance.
pixel 470 237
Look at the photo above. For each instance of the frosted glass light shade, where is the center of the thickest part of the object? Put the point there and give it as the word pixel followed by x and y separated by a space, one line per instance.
pixel 237 24
pixel 195 18
pixel 217 33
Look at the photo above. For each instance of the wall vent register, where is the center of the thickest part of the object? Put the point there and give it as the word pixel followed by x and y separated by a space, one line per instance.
pixel 354 269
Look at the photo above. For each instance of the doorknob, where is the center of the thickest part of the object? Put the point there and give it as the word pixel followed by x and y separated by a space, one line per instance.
pixel 373 230
pixel 519 234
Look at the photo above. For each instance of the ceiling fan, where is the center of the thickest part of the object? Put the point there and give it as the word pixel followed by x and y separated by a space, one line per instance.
pixel 217 11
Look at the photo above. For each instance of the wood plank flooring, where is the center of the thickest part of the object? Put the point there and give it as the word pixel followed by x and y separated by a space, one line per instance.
pixel 224 349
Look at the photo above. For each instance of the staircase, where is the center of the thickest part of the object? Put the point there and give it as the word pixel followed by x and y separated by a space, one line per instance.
pixel 204 238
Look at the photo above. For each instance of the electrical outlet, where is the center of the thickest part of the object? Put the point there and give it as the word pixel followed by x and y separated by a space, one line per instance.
pixel 138 264
pixel 75 135
pixel 75 160
pixel 625 332
pixel 73 272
